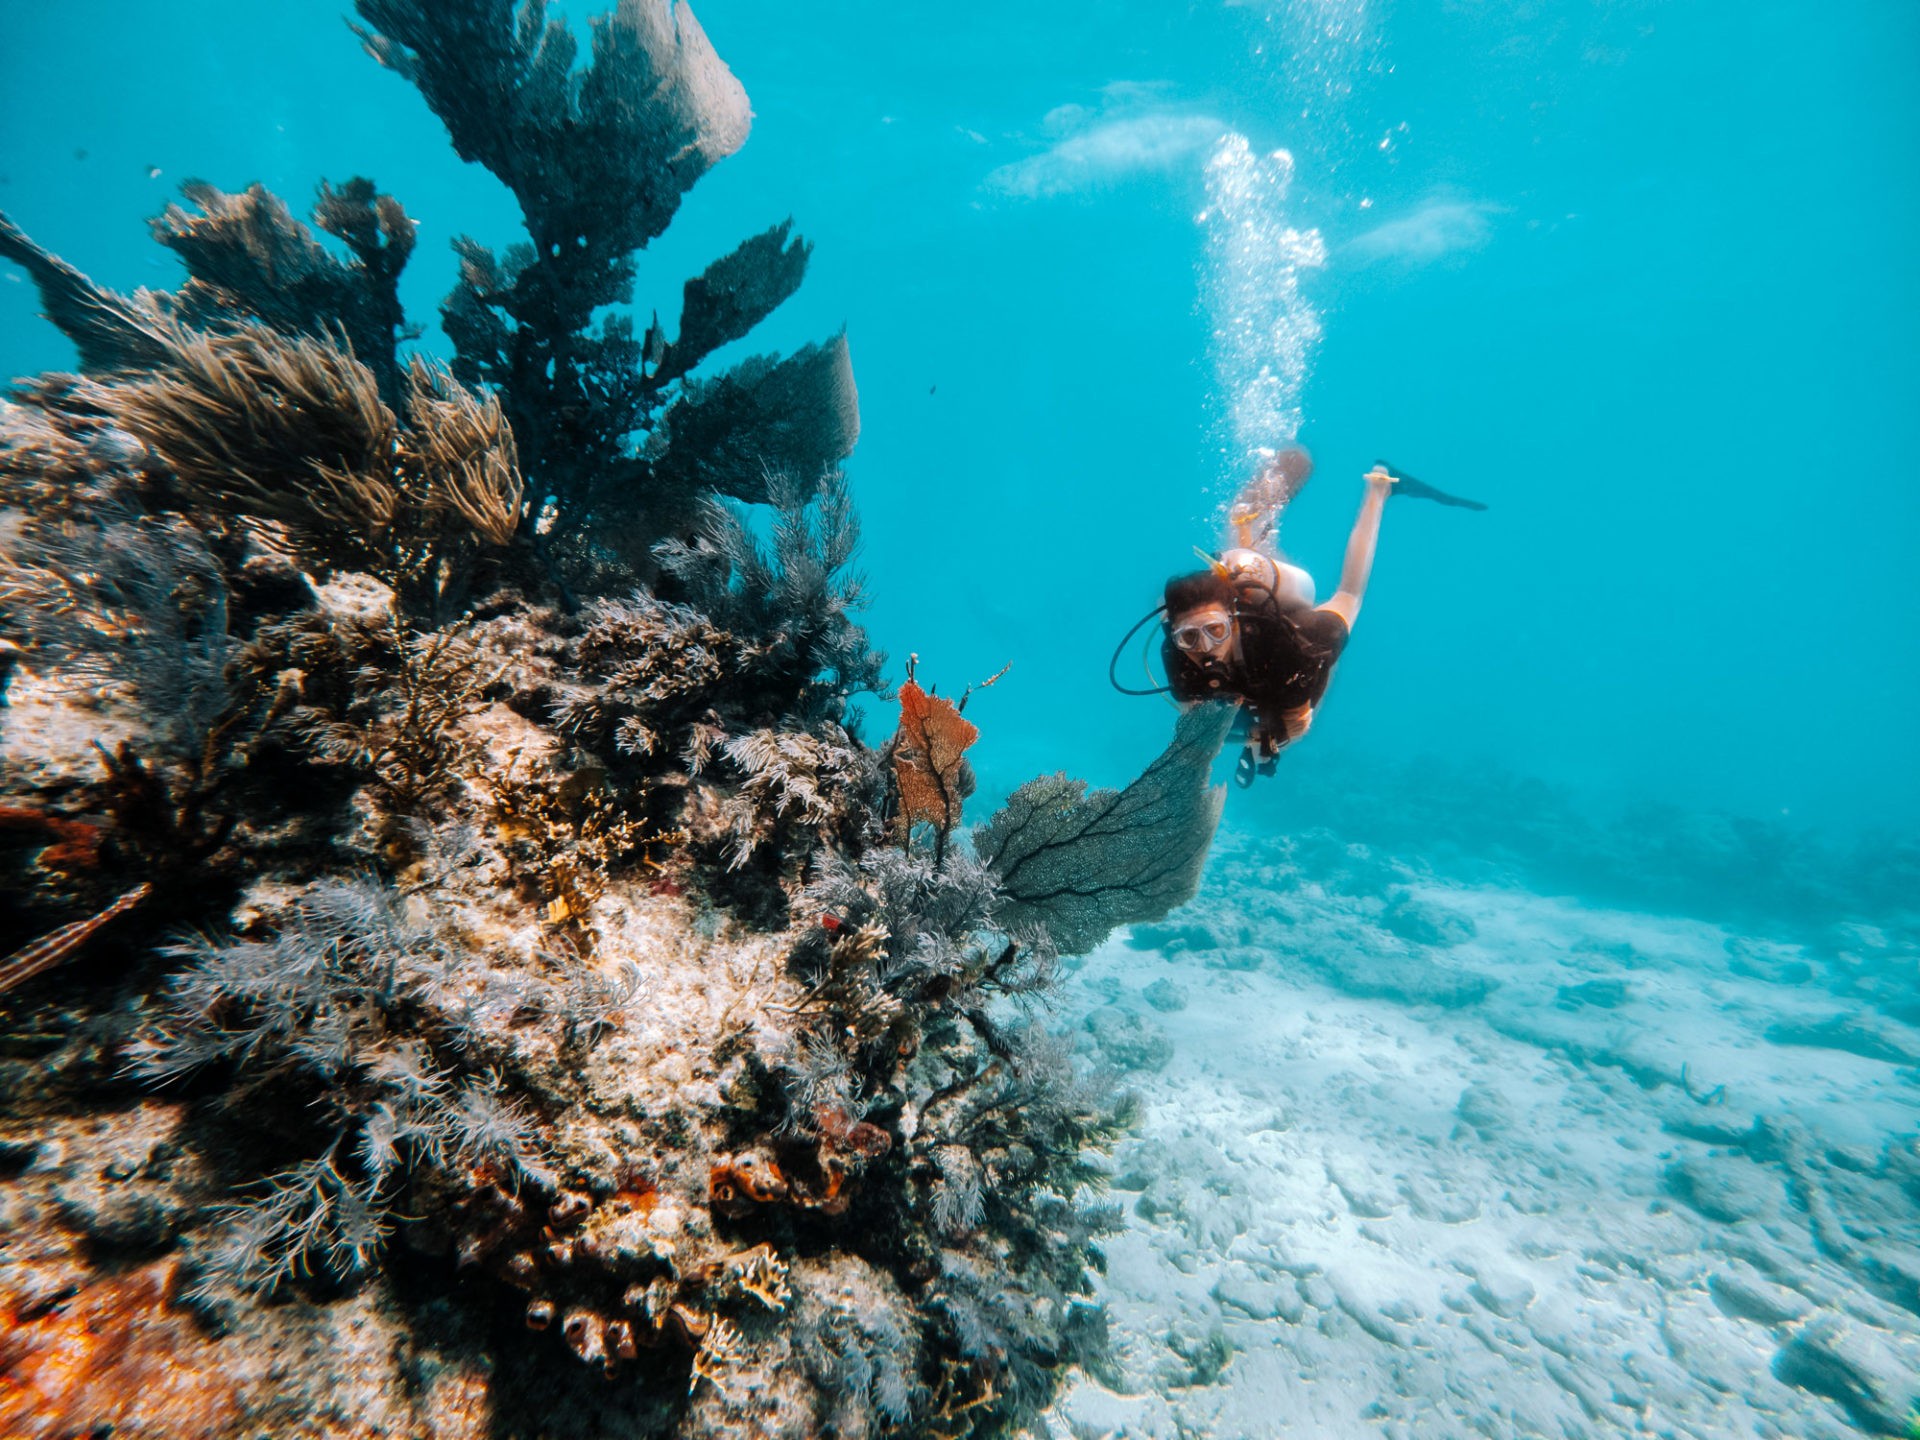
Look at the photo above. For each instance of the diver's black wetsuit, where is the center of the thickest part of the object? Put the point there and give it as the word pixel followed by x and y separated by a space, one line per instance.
pixel 1286 660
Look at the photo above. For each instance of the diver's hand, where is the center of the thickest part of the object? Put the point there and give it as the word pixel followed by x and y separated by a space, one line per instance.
pixel 1381 479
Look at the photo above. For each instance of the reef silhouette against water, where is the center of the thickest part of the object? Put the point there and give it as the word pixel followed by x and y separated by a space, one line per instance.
pixel 466 973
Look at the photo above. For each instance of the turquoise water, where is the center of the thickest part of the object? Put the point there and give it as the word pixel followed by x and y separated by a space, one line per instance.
pixel 1638 275
pixel 1539 1055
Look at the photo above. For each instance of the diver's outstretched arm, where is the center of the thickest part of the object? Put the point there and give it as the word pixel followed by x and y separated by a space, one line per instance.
pixel 1360 545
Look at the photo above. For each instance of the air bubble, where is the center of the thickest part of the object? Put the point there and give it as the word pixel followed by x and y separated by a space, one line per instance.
pixel 1264 328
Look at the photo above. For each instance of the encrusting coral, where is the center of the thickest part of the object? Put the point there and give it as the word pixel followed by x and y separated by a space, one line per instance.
pixel 455 927
pixel 116 1355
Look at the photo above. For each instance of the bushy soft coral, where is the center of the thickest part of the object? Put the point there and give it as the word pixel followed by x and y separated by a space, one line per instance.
pixel 790 608
pixel 362 999
pixel 919 990
pixel 246 255
pixel 642 672
pixel 129 602
pixel 863 1361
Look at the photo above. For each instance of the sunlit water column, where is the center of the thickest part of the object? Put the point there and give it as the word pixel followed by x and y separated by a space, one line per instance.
pixel 1265 329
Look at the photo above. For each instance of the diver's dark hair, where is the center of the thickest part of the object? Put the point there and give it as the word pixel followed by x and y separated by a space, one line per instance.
pixel 1190 592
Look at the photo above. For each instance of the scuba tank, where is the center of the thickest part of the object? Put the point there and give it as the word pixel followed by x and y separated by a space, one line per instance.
pixel 1256 571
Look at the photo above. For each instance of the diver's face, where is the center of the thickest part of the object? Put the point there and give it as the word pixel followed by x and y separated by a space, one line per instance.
pixel 1205 633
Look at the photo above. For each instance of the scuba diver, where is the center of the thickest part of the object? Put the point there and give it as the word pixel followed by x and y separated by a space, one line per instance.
pixel 1247 626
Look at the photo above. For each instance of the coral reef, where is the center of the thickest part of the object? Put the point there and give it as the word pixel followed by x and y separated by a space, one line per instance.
pixel 246 255
pixel 467 973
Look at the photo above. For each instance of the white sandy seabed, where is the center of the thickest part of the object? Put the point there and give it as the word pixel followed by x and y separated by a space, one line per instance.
pixel 1421 1160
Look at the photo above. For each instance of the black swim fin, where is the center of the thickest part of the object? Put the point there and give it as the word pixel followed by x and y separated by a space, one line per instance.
pixel 1405 484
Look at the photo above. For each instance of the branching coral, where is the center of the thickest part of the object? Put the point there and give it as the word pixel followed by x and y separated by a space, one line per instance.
pixel 287 429
pixel 400 726
pixel 565 836
pixel 247 259
pixel 294 430
pixel 1080 864
pixel 734 294
pixel 758 1272
pixel 642 672
pixel 110 331
pixel 268 387
pixel 862 1359
pixel 247 256
pixel 1002 1120
pixel 799 415
pixel 897 929
pixel 800 779
pixel 592 1004
pixel 55 465
pixel 911 975
pixel 458 455
pixel 312 1218
pixel 918 972
pixel 599 159
pixel 1016 1305
pixel 924 912
pixel 131 613
pixel 122 601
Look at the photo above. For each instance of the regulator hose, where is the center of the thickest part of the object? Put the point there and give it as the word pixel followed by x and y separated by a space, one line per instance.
pixel 1126 640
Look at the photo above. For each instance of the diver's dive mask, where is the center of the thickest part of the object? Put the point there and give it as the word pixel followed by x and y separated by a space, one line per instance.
pixel 1202 635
